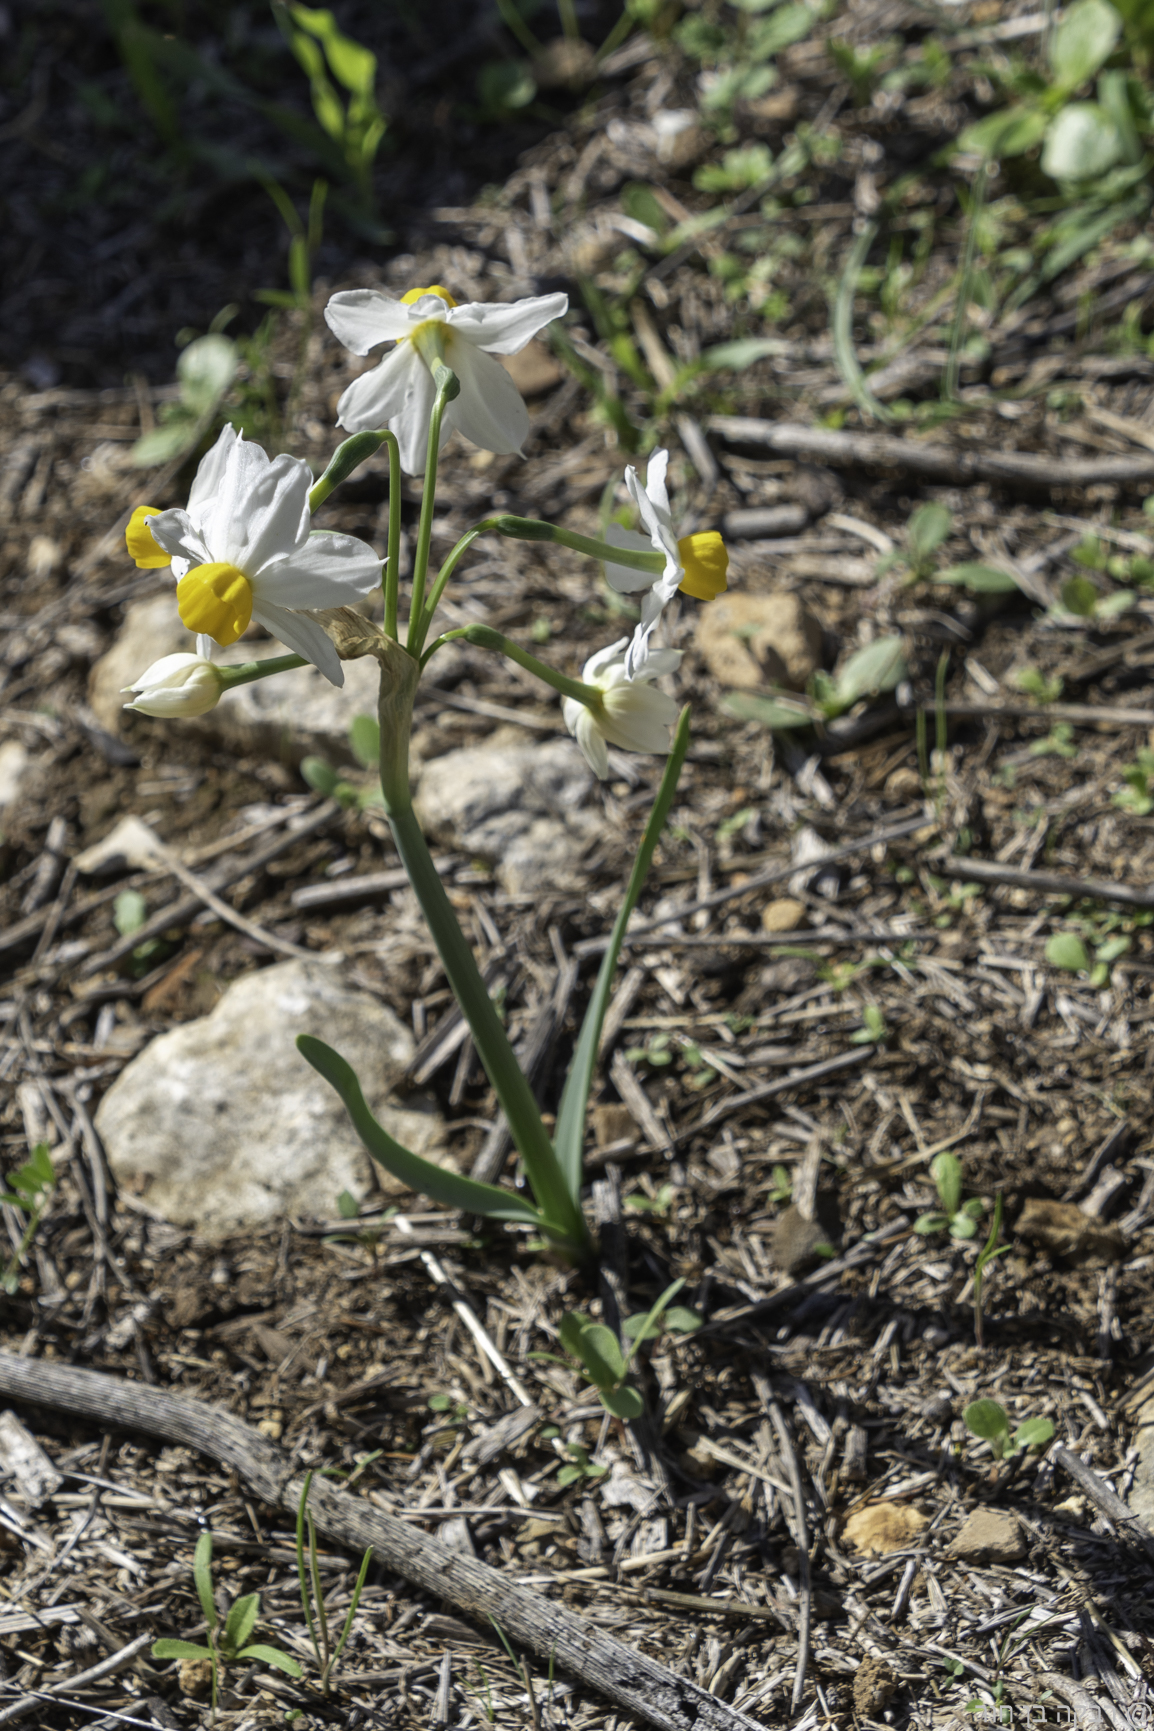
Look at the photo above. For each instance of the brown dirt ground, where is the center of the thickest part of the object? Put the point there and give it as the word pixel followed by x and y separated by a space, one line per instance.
pixel 334 1340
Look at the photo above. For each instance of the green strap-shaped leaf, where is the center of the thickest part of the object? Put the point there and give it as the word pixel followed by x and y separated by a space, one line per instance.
pixel 168 1649
pixel 412 1171
pixel 241 1620
pixel 272 1656
pixel 569 1136
pixel 202 1576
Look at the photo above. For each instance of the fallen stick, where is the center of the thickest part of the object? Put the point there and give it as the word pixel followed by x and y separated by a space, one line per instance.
pixel 633 1681
pixel 1103 1498
pixel 1047 883
pixel 179 912
pixel 940 463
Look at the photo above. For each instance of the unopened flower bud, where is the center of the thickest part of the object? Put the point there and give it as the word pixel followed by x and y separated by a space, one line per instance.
pixel 177 686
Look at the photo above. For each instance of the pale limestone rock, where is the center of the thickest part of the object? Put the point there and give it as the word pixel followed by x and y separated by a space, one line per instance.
pixel 748 641
pixel 221 1125
pixel 990 1536
pixel 151 630
pixel 515 802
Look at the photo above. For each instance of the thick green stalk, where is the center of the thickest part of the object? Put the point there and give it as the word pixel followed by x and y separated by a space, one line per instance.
pixel 392 573
pixel 448 387
pixel 486 638
pixel 533 529
pixel 399 675
pixel 247 671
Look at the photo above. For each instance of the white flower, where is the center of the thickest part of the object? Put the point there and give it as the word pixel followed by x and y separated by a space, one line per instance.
pixel 179 685
pixel 695 563
pixel 428 322
pixel 242 550
pixel 631 713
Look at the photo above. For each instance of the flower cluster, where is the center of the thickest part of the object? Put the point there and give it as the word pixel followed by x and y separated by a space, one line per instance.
pixel 243 548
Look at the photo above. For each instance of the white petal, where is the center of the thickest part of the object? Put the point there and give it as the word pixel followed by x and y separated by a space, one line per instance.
pixel 178 535
pixel 398 394
pixel 362 318
pixel 623 578
pixel 169 670
pixel 655 487
pixel 638 717
pixel 328 571
pixel 503 330
pixel 304 636
pixel 212 467
pixel 659 662
pixel 489 410
pixel 593 747
pixel 595 664
pixel 205 646
pixel 260 511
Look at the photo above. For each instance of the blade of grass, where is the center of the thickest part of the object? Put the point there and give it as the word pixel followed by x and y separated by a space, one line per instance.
pixel 845 354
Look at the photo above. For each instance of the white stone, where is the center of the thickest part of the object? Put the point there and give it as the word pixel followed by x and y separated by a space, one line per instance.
pixel 14 763
pixel 514 802
pixel 129 846
pixel 222 1126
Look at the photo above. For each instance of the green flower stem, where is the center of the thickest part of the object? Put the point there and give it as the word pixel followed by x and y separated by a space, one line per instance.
pixel 486 638
pixel 533 529
pixel 448 387
pixel 449 567
pixel 399 675
pixel 347 457
pixel 248 671
pixel 392 573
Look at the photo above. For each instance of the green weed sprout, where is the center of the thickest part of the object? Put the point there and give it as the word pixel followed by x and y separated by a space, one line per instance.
pixel 599 1352
pixel 355 125
pixel 781 1185
pixel 312 1597
pixel 958 1218
pixel 578 1466
pixel 873 1029
pixel 230 1644
pixel 639 1203
pixel 29 1189
pixel 869 672
pixel 1065 950
pixel 204 372
pixel 1137 797
pixel 365 743
pixel 1037 685
pixel 927 528
pixel 1078 598
pixel 989 1420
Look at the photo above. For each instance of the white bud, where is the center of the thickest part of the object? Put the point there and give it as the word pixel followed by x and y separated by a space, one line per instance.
pixel 632 714
pixel 177 686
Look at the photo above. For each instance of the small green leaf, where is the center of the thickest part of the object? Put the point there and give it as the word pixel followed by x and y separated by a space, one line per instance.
pixel 321 776
pixel 271 1656
pixel 241 1620
pixel 167 1649
pixel 926 1224
pixel 986 1419
pixel 365 740
pixel 927 529
pixel 1034 1434
pixel 1082 142
pixel 946 1172
pixel 1067 951
pixel 129 912
pixel 206 369
pixel 1083 41
pixel 596 1346
pixel 879 667
pixel 202 1576
pixel 963 1226
pixel 622 1402
pixel 777 712
pixel 1009 132
pixel 680 1320
pixel 1079 596
pixel 978 579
